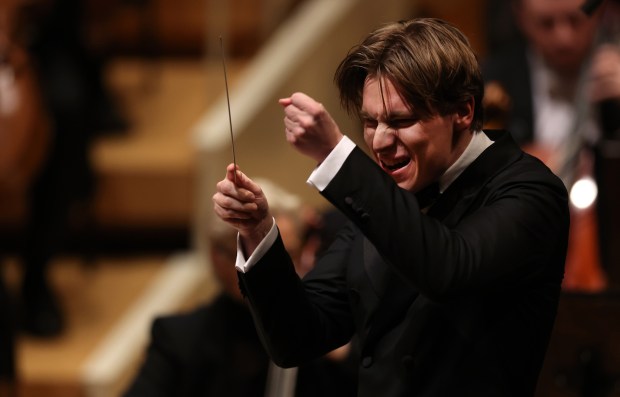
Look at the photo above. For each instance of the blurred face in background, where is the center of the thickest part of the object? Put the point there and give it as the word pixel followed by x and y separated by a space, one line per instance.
pixel 559 31
pixel 223 255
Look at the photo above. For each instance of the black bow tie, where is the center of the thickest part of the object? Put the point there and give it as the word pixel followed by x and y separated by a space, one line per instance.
pixel 427 196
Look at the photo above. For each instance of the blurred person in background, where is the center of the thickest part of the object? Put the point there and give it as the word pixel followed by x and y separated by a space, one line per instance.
pixel 546 89
pixel 24 136
pixel 214 350
pixel 75 98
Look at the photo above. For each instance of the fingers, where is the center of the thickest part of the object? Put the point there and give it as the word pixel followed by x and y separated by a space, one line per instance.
pixel 285 101
pixel 230 215
pixel 299 100
pixel 249 189
pixel 240 185
pixel 305 114
pixel 296 127
pixel 236 201
pixel 307 105
pixel 246 187
pixel 294 116
pixel 233 203
pixel 301 108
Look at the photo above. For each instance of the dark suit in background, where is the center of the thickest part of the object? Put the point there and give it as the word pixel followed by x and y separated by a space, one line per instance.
pixel 211 351
pixel 214 350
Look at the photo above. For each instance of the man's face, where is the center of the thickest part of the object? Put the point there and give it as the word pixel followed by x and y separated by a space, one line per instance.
pixel 413 152
pixel 558 30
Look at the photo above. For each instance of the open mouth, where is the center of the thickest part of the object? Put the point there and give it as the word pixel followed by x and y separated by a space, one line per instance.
pixel 394 166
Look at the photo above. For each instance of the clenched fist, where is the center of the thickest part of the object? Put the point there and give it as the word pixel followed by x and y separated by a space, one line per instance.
pixel 309 127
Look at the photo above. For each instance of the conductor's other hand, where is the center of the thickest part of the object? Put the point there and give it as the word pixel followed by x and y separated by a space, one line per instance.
pixel 243 205
pixel 309 127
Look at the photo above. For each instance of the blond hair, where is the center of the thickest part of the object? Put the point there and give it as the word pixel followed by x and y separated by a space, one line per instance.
pixel 429 61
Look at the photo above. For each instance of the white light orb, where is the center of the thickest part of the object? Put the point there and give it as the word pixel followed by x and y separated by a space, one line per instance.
pixel 583 193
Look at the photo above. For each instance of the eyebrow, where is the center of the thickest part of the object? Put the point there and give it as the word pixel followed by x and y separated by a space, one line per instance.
pixel 364 115
pixel 391 116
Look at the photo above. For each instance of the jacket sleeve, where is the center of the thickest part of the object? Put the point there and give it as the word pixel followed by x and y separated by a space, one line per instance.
pixel 300 320
pixel 518 231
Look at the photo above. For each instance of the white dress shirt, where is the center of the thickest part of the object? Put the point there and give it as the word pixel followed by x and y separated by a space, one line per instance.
pixel 556 115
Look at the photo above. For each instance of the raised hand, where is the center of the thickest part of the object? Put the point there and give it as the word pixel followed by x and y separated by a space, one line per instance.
pixel 309 127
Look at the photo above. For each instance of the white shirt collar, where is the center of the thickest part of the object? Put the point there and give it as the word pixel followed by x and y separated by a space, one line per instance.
pixel 479 142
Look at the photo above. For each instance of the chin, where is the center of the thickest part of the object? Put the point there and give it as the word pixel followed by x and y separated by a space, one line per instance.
pixel 407 185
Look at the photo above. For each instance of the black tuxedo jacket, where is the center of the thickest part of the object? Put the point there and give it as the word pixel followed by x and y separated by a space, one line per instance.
pixel 458 302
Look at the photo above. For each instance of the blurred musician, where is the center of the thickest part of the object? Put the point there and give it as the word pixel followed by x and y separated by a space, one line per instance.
pixel 543 91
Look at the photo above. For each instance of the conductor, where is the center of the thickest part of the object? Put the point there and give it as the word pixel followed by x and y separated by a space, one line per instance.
pixel 449 272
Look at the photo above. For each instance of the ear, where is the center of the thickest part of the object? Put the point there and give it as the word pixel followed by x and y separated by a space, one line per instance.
pixel 464 115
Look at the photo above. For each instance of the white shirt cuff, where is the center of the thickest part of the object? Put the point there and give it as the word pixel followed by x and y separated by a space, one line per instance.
pixel 325 172
pixel 244 265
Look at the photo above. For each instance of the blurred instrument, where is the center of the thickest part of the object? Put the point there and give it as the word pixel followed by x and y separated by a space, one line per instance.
pixel 23 121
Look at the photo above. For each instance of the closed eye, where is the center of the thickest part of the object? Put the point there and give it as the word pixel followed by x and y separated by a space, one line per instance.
pixel 402 123
pixel 370 123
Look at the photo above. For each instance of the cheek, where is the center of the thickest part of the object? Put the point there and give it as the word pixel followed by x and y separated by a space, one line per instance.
pixel 416 143
pixel 429 154
pixel 368 139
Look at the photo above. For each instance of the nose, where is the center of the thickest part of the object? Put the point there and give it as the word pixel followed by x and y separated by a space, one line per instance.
pixel 383 137
pixel 564 33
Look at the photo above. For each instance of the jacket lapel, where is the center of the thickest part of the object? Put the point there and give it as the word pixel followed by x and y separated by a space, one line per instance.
pixel 454 203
